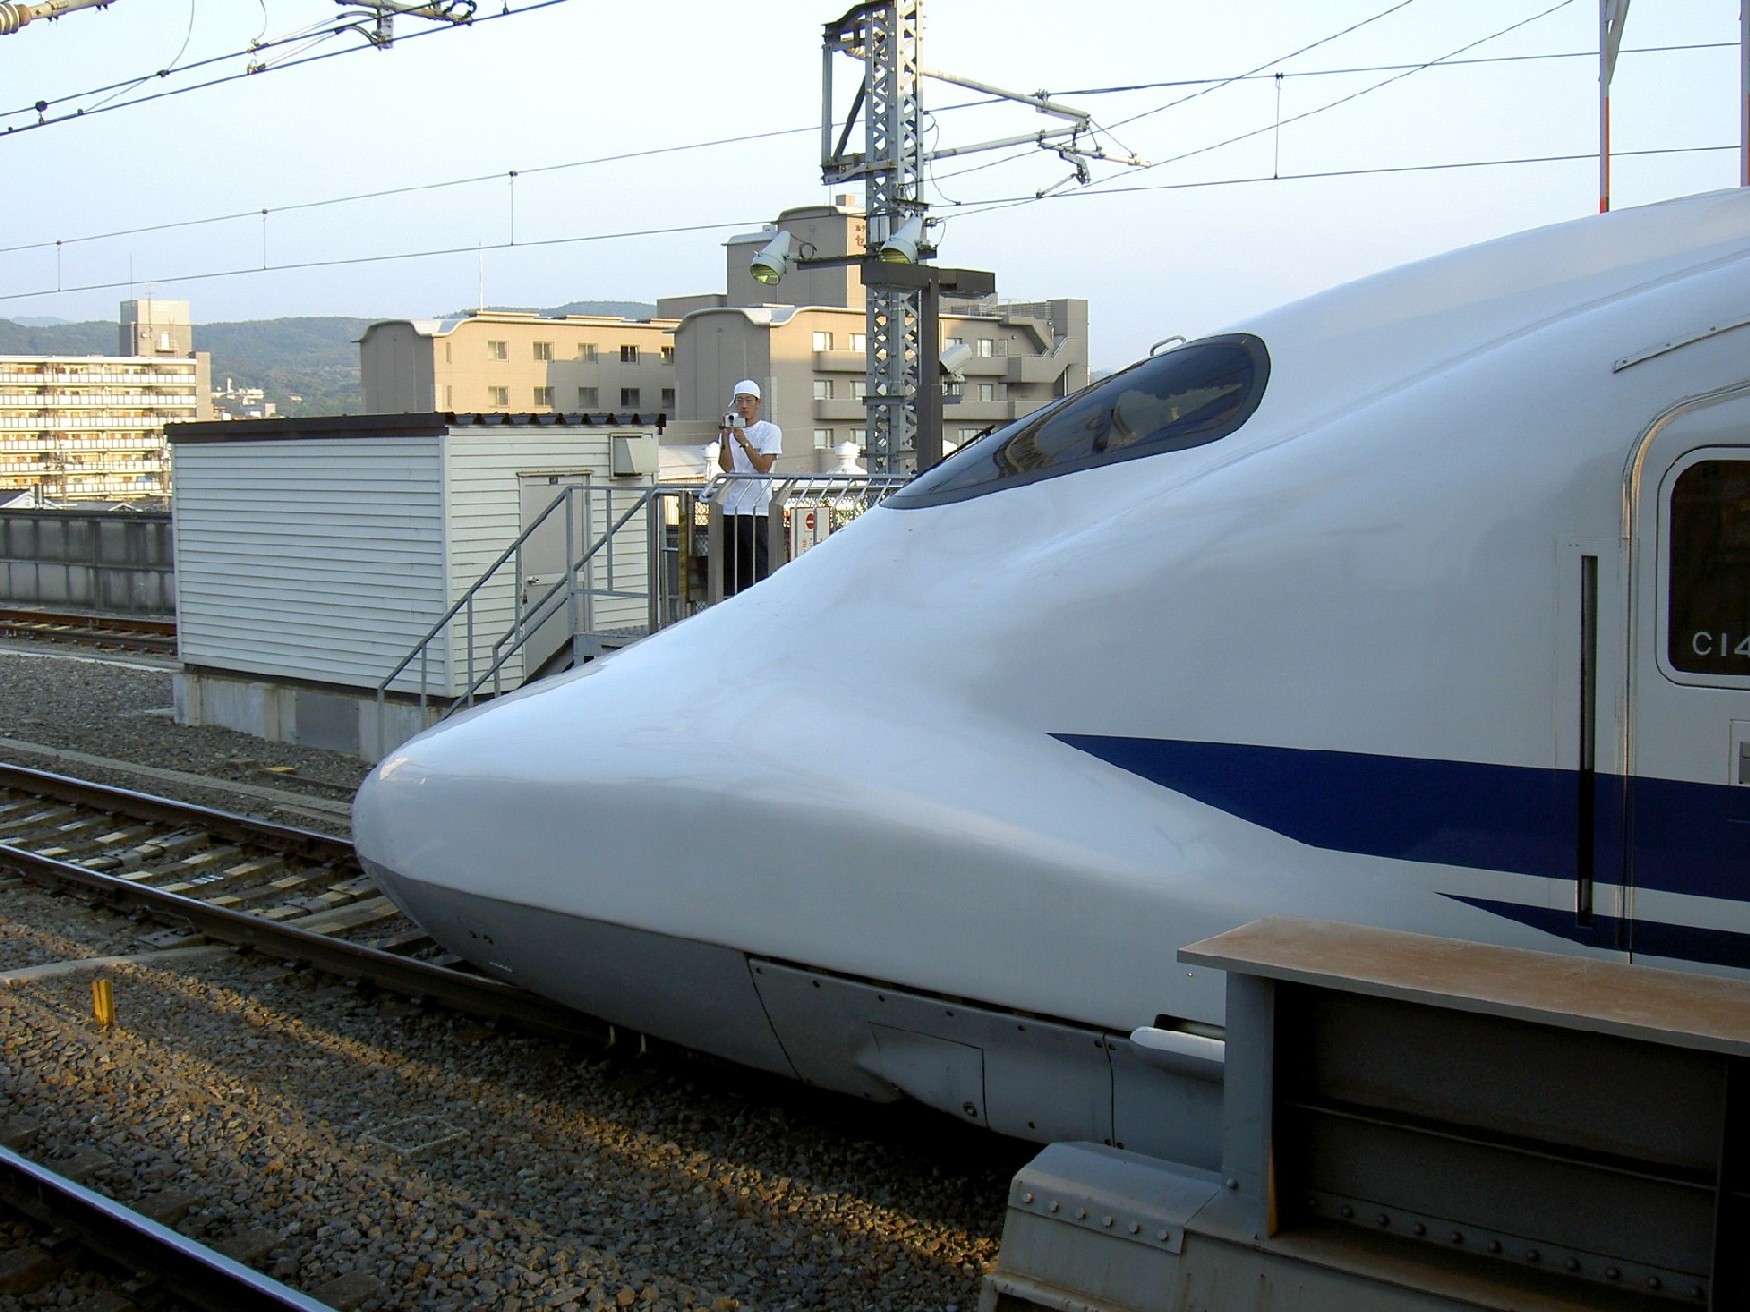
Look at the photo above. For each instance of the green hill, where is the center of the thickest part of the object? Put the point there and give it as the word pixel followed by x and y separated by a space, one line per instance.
pixel 306 366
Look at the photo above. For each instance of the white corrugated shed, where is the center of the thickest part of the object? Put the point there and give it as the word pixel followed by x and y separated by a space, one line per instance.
pixel 322 550
pixel 310 558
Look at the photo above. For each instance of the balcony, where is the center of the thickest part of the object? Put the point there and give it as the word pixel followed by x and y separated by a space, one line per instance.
pixel 1034 369
pixel 841 362
pixel 841 409
pixel 978 412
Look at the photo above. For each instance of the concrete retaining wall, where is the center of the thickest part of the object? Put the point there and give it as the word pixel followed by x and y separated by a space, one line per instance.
pixel 105 562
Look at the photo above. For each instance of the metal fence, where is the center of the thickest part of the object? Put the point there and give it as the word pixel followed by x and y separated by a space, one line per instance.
pixel 602 567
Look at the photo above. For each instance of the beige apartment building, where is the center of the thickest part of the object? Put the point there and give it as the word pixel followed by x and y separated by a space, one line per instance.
pixel 91 428
pixel 811 362
pixel 520 364
pixel 803 340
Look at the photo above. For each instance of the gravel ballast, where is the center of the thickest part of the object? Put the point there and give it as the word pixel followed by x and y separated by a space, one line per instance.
pixel 383 1156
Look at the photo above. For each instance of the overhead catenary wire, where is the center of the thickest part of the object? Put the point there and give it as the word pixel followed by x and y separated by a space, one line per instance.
pixel 1278 124
pixel 309 37
pixel 747 137
pixel 1388 68
pixel 346 261
pixel 408 190
pixel 1315 175
pixel 963 207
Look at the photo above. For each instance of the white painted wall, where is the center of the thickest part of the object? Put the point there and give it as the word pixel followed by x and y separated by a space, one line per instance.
pixel 328 557
pixel 308 558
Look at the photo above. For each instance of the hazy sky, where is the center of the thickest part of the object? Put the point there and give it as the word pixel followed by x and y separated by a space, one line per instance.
pixel 1203 237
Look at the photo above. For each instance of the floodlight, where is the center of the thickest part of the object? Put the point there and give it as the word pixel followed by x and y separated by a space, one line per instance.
pixel 773 260
pixel 955 359
pixel 902 246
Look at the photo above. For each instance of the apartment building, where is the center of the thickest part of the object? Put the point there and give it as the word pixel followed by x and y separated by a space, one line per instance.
pixel 812 362
pixel 803 340
pixel 91 428
pixel 519 363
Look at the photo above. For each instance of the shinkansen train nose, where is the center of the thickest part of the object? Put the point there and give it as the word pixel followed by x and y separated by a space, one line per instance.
pixel 591 790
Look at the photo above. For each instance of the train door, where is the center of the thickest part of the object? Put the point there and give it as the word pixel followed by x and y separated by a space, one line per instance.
pixel 556 542
pixel 1687 790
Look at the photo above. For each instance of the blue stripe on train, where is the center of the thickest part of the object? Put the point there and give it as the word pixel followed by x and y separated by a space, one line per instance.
pixel 1688 838
pixel 1646 938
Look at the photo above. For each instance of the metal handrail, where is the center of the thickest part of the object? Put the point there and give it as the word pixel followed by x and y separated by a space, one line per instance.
pixel 848 492
pixel 533 617
pixel 466 598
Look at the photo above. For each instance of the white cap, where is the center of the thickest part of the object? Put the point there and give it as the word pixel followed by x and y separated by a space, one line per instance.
pixel 747 387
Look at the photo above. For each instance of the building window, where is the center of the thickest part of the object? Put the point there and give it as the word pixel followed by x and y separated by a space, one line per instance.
pixel 447 352
pixel 586 352
pixel 588 398
pixel 629 396
pixel 986 348
pixel 953 341
pixel 987 391
pixel 822 342
pixel 499 396
pixel 823 389
pixel 668 355
pixel 543 350
pixel 859 341
pixel 544 396
pixel 954 389
pixel 446 401
pixel 823 436
pixel 668 398
pixel 859 389
pixel 498 350
pixel 628 355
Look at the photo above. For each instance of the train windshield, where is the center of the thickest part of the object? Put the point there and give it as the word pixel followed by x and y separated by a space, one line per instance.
pixel 1187 397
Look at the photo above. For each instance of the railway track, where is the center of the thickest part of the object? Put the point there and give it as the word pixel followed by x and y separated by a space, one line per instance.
pixel 360 1147
pixel 61 1236
pixel 112 632
pixel 215 876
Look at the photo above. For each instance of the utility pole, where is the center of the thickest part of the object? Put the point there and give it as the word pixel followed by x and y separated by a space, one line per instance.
pixel 885 36
pixel 1612 14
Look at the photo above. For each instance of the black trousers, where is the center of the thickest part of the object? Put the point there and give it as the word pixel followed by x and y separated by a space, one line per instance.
pixel 744 538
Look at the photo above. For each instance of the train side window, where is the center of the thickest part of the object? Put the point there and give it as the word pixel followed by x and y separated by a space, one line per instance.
pixel 1708 592
pixel 1185 398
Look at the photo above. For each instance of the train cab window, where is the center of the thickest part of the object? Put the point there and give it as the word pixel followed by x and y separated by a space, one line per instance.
pixel 1185 398
pixel 1708 590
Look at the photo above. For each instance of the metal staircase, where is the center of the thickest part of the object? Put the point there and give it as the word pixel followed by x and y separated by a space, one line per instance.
pixel 630 561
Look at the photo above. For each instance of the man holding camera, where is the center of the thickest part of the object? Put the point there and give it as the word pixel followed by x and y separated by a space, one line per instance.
pixel 746 444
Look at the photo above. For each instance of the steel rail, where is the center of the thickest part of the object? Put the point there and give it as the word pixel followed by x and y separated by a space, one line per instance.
pixel 136 633
pixel 191 1272
pixel 308 843
pixel 471 994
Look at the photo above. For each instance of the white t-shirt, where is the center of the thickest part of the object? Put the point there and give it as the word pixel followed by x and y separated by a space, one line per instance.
pixel 752 496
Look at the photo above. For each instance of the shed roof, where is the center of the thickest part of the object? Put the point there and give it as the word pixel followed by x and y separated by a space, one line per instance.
pixel 426 424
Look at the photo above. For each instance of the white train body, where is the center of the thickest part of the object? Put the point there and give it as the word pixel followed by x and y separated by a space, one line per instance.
pixel 1450 633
